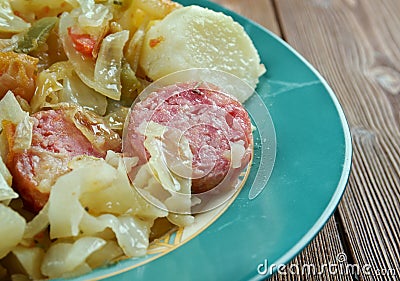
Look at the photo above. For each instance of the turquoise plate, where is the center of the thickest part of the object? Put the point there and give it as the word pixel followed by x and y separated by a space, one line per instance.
pixel 309 177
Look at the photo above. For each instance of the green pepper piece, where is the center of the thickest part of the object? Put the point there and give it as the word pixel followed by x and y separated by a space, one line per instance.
pixel 36 35
pixel 131 85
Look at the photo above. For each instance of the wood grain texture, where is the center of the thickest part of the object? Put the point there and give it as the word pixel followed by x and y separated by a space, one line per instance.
pixel 312 264
pixel 355 45
pixel 324 249
pixel 259 11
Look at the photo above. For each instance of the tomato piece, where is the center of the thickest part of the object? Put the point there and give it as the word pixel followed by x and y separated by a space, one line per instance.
pixel 83 43
pixel 154 42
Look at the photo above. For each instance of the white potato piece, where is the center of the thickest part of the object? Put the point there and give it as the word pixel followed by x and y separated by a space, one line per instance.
pixel 11 230
pixel 196 37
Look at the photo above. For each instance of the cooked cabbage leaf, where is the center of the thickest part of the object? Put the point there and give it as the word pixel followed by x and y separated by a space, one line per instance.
pixel 104 74
pixel 9 22
pixel 62 258
pixel 6 192
pixel 11 230
pixel 11 110
pixel 60 84
pixel 107 71
pixel 167 174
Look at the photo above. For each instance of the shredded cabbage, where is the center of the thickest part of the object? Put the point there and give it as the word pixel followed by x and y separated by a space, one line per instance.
pixel 237 153
pixel 65 221
pixel 97 196
pixel 60 84
pixel 11 110
pixel 9 22
pixel 92 15
pixel 46 91
pixel 6 192
pixel 116 115
pixel 105 255
pixel 108 65
pixel 9 44
pixel 76 92
pixel 156 8
pixel 30 259
pixel 167 174
pixel 62 258
pixel 23 134
pixel 131 232
pixel 5 173
pixel 94 215
pixel 38 223
pixel 159 166
pixel 109 61
pixel 93 129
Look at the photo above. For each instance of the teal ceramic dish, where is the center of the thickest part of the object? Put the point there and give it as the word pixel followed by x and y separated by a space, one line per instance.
pixel 313 159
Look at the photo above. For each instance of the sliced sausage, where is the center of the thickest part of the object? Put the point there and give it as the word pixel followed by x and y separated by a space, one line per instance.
pixel 209 119
pixel 56 140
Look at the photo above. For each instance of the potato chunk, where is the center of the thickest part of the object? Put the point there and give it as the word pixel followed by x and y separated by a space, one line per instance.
pixel 195 37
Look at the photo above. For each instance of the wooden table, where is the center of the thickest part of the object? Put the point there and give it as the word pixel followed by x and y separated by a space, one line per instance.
pixel 355 45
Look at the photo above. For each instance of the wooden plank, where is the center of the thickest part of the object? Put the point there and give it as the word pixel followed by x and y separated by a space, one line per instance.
pixel 260 11
pixel 355 45
pixel 324 249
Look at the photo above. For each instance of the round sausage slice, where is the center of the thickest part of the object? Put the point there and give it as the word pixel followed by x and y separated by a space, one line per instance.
pixel 216 125
pixel 56 139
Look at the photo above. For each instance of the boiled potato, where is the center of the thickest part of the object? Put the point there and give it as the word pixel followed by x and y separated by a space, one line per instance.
pixel 195 37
